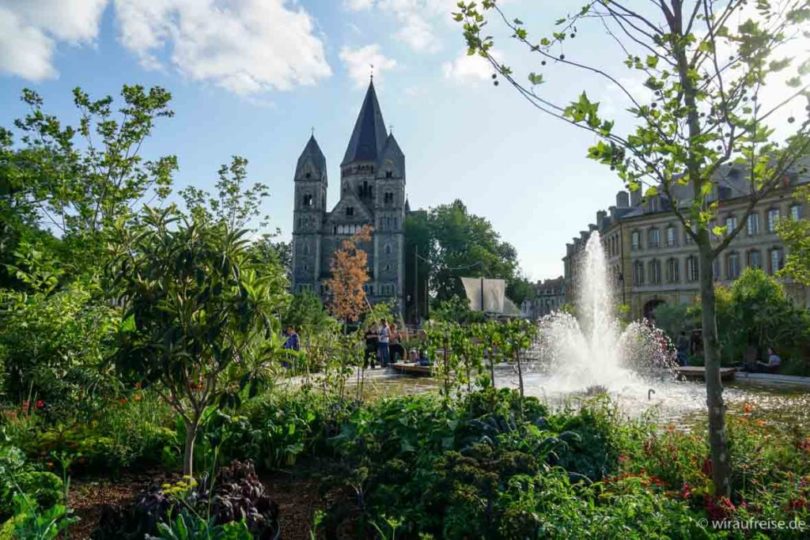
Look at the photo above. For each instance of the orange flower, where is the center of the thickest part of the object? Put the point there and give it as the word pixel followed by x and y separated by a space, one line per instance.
pixel 748 407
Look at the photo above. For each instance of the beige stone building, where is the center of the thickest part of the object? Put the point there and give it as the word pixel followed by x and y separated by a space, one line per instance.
pixel 653 260
pixel 549 296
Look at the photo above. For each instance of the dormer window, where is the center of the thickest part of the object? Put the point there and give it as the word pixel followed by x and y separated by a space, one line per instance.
pixel 350 210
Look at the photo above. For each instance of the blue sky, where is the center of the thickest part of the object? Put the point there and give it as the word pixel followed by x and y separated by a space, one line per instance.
pixel 252 77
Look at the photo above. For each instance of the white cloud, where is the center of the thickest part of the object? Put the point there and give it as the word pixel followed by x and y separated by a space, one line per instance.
pixel 417 19
pixel 245 46
pixel 467 69
pixel 358 5
pixel 358 63
pixel 30 31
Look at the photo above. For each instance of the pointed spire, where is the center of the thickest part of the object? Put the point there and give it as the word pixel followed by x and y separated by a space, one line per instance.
pixel 368 137
pixel 391 158
pixel 311 154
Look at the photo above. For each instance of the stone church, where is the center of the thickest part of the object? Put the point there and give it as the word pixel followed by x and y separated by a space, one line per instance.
pixel 372 192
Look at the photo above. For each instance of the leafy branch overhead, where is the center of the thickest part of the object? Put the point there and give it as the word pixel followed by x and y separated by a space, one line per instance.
pixel 704 78
pixel 701 114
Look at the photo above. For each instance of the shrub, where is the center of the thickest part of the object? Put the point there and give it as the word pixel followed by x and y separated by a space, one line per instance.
pixel 17 477
pixel 52 346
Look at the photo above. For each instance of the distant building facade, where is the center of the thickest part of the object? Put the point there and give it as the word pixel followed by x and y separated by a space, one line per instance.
pixel 653 260
pixel 372 192
pixel 549 296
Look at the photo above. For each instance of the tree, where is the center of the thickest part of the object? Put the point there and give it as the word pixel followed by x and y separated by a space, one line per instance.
pixel 347 297
pixel 417 267
pixel 196 311
pixel 306 313
pixel 702 110
pixel 463 244
pixel 234 204
pixel 79 180
pixel 795 233
pixel 519 289
pixel 763 316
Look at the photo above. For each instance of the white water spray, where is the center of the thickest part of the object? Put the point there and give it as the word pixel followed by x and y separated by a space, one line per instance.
pixel 592 350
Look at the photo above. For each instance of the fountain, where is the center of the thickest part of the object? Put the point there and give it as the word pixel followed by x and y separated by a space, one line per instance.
pixel 592 350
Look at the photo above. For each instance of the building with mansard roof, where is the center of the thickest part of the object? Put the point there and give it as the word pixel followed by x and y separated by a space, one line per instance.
pixel 653 260
pixel 372 192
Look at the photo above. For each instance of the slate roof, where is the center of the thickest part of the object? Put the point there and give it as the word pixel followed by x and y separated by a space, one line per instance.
pixel 369 135
pixel 311 151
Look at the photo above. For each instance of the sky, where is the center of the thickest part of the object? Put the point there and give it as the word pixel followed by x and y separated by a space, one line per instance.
pixel 255 77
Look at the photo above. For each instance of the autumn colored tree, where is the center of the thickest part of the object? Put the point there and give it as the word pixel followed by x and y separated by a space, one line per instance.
pixel 349 274
pixel 701 109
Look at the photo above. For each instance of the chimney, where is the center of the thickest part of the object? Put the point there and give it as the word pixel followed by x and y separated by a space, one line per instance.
pixel 635 197
pixel 600 219
pixel 612 210
pixel 622 199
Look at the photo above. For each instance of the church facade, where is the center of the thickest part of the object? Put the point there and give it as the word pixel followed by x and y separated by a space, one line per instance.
pixel 372 192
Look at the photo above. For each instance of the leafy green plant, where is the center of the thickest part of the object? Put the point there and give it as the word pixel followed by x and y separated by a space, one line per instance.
pixel 187 526
pixel 194 283
pixel 35 523
pixel 52 348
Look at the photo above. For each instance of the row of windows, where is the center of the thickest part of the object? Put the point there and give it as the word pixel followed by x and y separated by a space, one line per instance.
pixel 671 235
pixel 346 229
pixel 651 272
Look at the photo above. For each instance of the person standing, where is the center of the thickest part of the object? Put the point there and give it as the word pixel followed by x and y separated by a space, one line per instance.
pixel 292 342
pixel 383 338
pixel 371 348
pixel 395 348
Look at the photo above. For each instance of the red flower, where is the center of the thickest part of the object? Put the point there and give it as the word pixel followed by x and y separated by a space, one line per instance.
pixel 798 504
pixel 686 490
pixel 40 404
pixel 719 508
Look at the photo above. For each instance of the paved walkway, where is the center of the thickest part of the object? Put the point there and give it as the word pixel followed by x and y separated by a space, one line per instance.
pixel 773 378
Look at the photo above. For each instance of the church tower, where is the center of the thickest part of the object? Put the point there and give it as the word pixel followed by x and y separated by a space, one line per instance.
pixel 372 192
pixel 308 216
pixel 373 171
pixel 389 212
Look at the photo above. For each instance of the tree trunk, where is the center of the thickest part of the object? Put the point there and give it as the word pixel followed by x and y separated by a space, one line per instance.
pixel 721 467
pixel 492 363
pixel 188 453
pixel 520 372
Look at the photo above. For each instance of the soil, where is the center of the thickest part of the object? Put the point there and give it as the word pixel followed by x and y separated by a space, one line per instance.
pixel 297 497
pixel 89 495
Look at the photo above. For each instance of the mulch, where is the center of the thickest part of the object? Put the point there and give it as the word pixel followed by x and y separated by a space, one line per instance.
pixel 89 495
pixel 297 497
